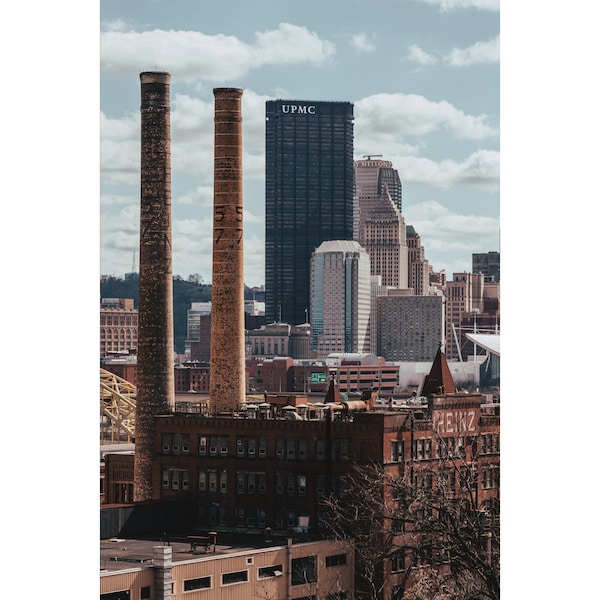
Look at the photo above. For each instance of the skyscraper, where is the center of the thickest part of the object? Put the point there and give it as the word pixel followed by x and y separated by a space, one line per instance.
pixel 379 226
pixel 309 196
pixel 340 298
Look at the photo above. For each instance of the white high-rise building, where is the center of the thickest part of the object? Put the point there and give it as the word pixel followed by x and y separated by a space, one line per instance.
pixel 340 298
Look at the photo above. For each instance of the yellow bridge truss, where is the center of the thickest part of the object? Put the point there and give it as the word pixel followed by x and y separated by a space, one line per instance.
pixel 117 407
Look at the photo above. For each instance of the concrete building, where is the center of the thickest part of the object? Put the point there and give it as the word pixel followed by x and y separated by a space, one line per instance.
pixel 379 226
pixel 279 339
pixel 197 341
pixel 410 328
pixel 463 296
pixel 419 269
pixel 175 570
pixel 340 298
pixel 118 326
pixel 487 263
pixel 309 191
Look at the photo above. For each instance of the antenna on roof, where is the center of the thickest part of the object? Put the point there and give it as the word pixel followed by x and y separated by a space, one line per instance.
pixel 370 156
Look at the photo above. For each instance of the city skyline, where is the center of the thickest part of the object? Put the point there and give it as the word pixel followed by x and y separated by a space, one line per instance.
pixel 424 81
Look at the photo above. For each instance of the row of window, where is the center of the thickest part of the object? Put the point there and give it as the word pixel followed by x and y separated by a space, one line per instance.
pixel 304 570
pixel 249 482
pixel 252 447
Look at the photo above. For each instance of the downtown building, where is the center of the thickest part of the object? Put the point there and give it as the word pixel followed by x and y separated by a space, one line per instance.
pixel 340 298
pixel 309 196
pixel 379 226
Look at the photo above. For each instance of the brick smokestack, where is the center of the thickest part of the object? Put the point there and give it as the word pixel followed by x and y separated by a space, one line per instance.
pixel 155 374
pixel 227 356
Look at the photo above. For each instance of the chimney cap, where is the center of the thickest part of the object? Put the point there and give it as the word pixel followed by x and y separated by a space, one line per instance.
pixel 228 90
pixel 155 77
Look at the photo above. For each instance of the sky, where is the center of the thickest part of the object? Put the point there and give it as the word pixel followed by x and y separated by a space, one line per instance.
pixel 55 233
pixel 423 75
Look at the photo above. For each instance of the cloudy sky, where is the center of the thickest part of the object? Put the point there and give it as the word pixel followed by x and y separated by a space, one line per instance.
pixel 423 76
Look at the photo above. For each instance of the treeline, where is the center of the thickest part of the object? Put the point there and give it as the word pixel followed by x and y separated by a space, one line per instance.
pixel 184 293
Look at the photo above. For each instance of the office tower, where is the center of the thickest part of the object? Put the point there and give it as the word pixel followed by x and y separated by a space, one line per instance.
pixel 464 296
pixel 419 269
pixel 155 376
pixel 379 226
pixel 309 189
pixel 227 344
pixel 340 294
pixel 409 328
pixel 372 177
pixel 487 263
pixel 197 343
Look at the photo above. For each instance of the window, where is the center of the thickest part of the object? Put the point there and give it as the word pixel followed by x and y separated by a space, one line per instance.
pixel 320 449
pixel 302 449
pixel 343 449
pixel 146 593
pixel 200 583
pixel 166 443
pixel 280 448
pixel 291 449
pixel 235 577
pixel 397 561
pixel 274 571
pixel 202 443
pixel 123 595
pixel 212 480
pixel 335 560
pixel 262 447
pixel 304 570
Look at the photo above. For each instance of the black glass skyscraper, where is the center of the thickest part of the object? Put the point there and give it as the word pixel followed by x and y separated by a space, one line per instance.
pixel 309 195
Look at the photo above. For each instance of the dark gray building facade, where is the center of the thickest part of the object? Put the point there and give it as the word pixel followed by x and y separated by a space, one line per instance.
pixel 309 196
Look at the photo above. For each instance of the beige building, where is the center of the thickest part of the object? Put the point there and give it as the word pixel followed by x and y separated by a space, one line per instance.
pixel 379 226
pixel 118 325
pixel 175 571
pixel 464 295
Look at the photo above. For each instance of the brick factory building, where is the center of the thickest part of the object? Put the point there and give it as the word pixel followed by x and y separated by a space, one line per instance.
pixel 272 466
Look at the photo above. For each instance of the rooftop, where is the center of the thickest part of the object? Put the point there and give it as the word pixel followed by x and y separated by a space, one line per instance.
pixel 119 554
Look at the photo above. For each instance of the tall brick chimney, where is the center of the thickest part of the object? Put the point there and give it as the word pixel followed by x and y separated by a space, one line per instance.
pixel 155 354
pixel 227 356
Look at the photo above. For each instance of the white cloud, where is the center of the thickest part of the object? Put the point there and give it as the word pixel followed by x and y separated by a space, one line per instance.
pixel 361 42
pixel 479 53
pixel 481 169
pixel 446 5
pixel 416 54
pixel 444 231
pixel 386 119
pixel 192 55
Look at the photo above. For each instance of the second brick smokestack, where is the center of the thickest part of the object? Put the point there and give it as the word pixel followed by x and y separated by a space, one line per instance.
pixel 155 374
pixel 227 356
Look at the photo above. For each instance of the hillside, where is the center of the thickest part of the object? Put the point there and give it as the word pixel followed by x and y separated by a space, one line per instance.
pixel 184 293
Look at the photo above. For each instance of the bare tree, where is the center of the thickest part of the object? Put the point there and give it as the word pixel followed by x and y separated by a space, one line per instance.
pixel 420 528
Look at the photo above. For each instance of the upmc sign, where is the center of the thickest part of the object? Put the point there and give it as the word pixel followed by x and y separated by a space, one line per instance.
pixel 309 109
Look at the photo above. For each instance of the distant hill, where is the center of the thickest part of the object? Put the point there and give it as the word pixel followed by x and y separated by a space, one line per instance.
pixel 184 293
